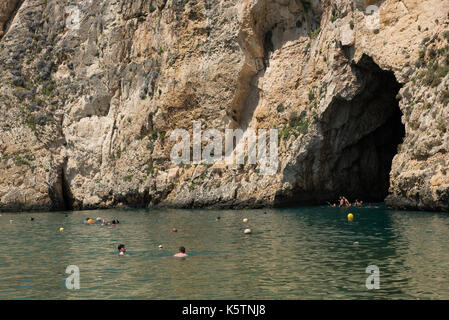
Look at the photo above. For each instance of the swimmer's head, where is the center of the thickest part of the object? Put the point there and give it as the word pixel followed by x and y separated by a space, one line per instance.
pixel 182 250
pixel 121 248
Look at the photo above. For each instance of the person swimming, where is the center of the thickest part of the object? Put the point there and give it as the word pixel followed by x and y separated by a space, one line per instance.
pixel 182 253
pixel 343 202
pixel 121 249
pixel 331 204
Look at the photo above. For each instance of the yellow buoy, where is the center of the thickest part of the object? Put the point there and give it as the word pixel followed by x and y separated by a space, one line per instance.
pixel 245 220
pixel 61 229
pixel 350 217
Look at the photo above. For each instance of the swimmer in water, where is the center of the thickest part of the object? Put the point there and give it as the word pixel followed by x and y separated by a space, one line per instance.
pixel 182 253
pixel 121 249
pixel 115 221
pixel 341 202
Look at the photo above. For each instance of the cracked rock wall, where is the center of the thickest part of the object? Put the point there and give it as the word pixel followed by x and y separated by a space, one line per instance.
pixel 86 110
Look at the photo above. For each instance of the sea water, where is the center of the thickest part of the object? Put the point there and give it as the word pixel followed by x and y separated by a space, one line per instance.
pixel 295 253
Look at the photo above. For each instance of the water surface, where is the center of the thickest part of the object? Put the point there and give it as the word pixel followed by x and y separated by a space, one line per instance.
pixel 297 253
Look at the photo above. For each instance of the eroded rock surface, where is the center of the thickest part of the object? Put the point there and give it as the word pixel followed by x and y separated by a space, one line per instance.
pixel 91 91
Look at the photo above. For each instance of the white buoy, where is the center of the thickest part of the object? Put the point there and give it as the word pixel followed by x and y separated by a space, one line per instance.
pixel 247 231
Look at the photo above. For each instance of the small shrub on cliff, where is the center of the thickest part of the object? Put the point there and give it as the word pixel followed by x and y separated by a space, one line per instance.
pixel 19 161
pixel 280 108
pixel 31 123
pixel 444 99
pixel 153 135
pixel 446 35
pixel 315 33
pixel 296 126
pixel 421 55
pixel 414 124
pixel 150 171
pixel 425 40
pixel 433 75
pixel 442 127
pixel 311 95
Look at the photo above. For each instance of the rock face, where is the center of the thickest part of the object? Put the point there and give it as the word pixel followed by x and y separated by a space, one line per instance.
pixel 92 90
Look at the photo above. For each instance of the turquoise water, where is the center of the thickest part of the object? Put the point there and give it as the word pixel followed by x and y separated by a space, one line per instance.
pixel 298 253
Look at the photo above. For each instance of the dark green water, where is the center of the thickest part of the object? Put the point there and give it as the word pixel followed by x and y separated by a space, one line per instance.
pixel 300 253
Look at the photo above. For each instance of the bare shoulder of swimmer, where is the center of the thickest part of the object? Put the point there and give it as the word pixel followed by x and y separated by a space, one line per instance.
pixel 180 255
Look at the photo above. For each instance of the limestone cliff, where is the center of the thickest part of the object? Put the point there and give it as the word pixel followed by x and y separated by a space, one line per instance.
pixel 91 90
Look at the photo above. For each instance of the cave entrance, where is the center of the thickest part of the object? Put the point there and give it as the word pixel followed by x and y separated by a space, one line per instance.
pixel 361 137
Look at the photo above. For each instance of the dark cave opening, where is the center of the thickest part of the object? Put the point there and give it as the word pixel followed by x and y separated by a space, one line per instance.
pixel 360 139
pixel 363 135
